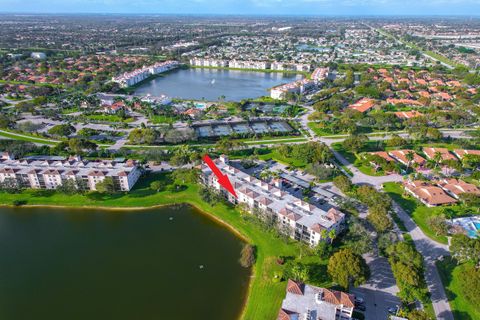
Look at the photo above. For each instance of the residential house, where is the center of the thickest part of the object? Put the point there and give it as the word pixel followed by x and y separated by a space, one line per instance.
pixel 428 194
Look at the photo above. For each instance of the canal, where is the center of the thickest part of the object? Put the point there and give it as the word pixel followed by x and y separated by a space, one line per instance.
pixel 164 263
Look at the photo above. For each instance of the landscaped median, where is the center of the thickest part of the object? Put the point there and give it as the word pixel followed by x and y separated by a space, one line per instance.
pixel 265 293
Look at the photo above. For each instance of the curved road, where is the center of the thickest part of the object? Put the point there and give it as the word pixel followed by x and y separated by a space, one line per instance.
pixel 428 248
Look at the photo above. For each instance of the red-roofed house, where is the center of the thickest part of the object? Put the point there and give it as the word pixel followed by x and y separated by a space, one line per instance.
pixel 362 105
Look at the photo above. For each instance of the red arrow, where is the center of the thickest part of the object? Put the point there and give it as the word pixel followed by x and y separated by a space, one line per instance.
pixel 223 179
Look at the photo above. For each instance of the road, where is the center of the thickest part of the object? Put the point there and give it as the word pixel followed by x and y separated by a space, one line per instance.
pixel 431 251
pixel 379 292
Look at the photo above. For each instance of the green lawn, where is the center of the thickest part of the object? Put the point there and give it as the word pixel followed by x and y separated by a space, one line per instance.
pixel 319 131
pixel 353 158
pixel 265 294
pixel 162 119
pixel 450 274
pixel 26 137
pixel 418 211
pixel 277 156
pixel 108 118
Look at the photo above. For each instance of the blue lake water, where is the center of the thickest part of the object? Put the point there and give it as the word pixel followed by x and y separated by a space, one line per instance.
pixel 211 84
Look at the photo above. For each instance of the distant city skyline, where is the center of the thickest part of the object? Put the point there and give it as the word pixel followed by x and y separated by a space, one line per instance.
pixel 249 7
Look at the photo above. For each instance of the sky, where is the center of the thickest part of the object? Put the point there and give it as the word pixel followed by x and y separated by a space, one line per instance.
pixel 249 7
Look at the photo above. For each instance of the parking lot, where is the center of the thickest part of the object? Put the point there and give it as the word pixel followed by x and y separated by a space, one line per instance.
pixel 379 292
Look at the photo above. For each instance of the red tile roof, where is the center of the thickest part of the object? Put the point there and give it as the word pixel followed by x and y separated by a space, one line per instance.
pixel 362 105
pixel 295 287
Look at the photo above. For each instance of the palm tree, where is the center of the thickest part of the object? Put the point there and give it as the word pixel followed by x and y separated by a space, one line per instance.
pixel 332 234
pixel 409 156
pixel 437 158
pixel 323 234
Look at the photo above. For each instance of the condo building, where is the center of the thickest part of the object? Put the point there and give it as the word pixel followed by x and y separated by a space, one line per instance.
pixel 304 301
pixel 299 86
pixel 302 220
pixel 129 79
pixel 45 172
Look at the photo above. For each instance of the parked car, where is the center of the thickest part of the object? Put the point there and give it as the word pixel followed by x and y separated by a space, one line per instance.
pixel 360 307
pixel 393 310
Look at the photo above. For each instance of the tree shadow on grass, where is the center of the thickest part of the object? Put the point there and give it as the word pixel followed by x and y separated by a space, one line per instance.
pixel 317 273
pixel 97 196
pixel 45 193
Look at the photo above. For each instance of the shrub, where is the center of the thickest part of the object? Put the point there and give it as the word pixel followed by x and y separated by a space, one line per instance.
pixel 247 256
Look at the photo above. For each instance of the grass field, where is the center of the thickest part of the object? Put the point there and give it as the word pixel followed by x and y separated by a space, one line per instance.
pixel 450 274
pixel 25 137
pixel 418 211
pixel 108 118
pixel 353 158
pixel 162 119
pixel 265 293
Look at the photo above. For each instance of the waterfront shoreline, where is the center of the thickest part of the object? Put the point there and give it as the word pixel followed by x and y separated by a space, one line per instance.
pixel 211 216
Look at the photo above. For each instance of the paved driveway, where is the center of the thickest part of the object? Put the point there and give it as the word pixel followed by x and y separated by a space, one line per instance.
pixel 379 292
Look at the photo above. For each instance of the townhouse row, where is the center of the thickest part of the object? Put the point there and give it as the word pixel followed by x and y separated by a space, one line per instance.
pixel 303 221
pixel 129 79
pixel 439 192
pixel 249 64
pixel 410 157
pixel 45 172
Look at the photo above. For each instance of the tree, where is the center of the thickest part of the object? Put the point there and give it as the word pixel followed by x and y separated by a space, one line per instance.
pixel 156 185
pixel 438 224
pixel 410 155
pixel 143 136
pixel 470 200
pixel 437 158
pixel 106 186
pixel 407 267
pixel 465 249
pixel 379 218
pixel 68 186
pixel 396 141
pixel 61 130
pixel 469 283
pixel 343 183
pixel 297 272
pixel 79 145
pixel 247 256
pixel 183 176
pixel 323 249
pixel 347 268
pixel 355 143
pixel 358 238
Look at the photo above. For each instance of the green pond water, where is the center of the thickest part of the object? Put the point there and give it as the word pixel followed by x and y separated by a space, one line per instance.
pixel 165 263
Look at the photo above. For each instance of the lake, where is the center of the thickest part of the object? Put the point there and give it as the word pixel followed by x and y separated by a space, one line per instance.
pixel 211 84
pixel 165 263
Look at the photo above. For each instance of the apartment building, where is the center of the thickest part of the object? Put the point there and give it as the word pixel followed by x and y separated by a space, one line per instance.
pixel 129 79
pixel 199 62
pixel 299 86
pixel 304 301
pixel 46 172
pixel 303 221
pixel 240 64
